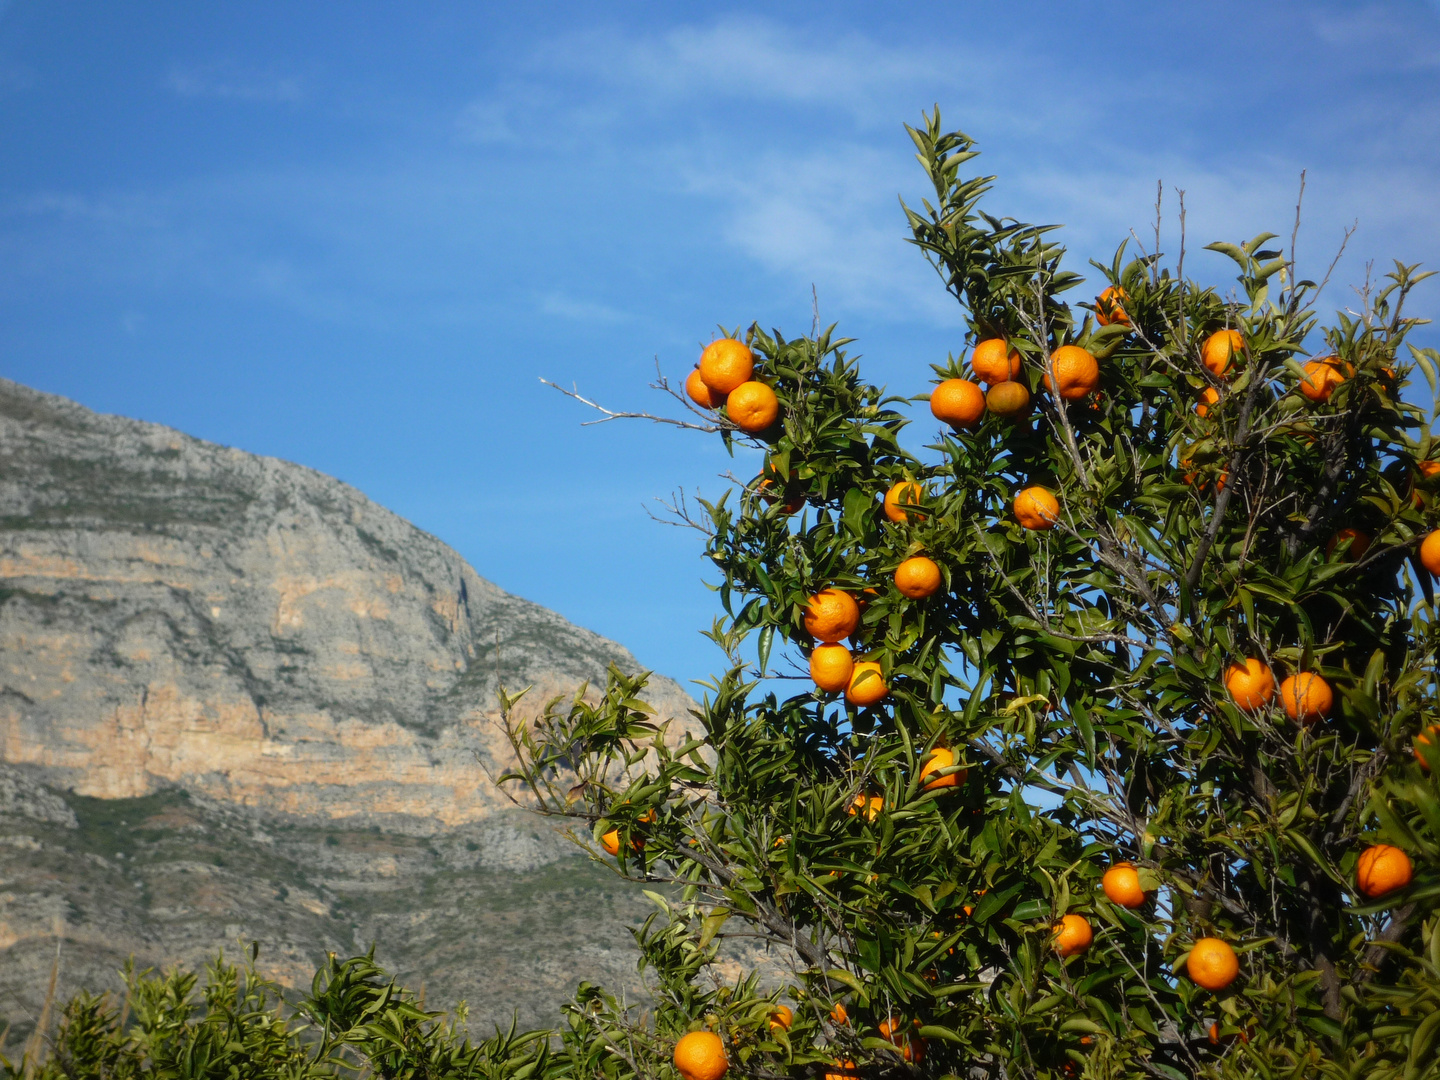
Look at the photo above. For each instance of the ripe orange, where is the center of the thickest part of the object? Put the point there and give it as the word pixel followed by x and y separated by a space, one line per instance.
pixel 1383 869
pixel 1251 686
pixel 831 615
pixel 1109 309
pixel 1428 469
pixel 700 1055
pixel 958 402
pixel 1007 399
pixel 725 364
pixel 942 757
pixel 993 363
pixel 917 577
pixel 1076 372
pixel 782 1017
pixel 752 407
pixel 870 804
pixel 867 684
pixel 842 1070
pixel 698 391
pixel 1306 697
pixel 1321 378
pixel 1036 508
pixel 1212 963
pixel 907 491
pixel 1430 734
pixel 1359 544
pixel 1430 552
pixel 830 667
pixel 840 1016
pixel 610 841
pixel 1122 885
pixel 1072 935
pixel 912 1047
pixel 1219 348
pixel 1208 397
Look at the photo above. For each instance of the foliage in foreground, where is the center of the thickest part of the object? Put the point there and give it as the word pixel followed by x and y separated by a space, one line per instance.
pixel 1077 675
pixel 237 1024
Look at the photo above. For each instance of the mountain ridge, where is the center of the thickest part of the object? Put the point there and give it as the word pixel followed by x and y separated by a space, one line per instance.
pixel 240 700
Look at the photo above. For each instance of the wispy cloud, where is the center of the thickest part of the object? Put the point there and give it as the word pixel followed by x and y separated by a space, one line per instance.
pixel 229 82
pixel 590 311
pixel 1383 33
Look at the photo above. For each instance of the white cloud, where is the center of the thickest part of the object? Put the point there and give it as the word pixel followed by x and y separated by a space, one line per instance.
pixel 1383 34
pixel 225 81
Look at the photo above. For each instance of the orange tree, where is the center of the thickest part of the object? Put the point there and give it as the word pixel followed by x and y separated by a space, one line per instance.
pixel 1124 770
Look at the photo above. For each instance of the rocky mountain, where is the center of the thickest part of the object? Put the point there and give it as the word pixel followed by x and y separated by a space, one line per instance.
pixel 240 700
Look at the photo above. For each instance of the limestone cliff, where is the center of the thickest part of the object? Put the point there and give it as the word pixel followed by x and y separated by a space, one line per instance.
pixel 175 612
pixel 240 700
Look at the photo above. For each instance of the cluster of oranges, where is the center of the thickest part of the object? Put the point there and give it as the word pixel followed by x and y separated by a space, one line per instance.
pixel 725 376
pixel 1071 372
pixel 1212 963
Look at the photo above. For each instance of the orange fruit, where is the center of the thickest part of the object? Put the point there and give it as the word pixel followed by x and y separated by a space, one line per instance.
pixel 1321 378
pixel 1428 469
pixel 1212 963
pixel 698 391
pixel 1430 552
pixel 1122 886
pixel 752 407
pixel 867 684
pixel 840 1016
pixel 1359 544
pixel 842 1070
pixel 870 804
pixel 1075 371
pixel 1216 1039
pixel 1109 307
pixel 907 491
pixel 1424 739
pixel 610 841
pixel 1306 697
pixel 942 757
pixel 1383 869
pixel 725 364
pixel 831 615
pixel 1072 935
pixel 912 1047
pixel 700 1055
pixel 993 363
pixel 958 402
pixel 1007 399
pixel 1219 348
pixel 830 667
pixel 772 491
pixel 1208 397
pixel 917 577
pixel 782 1017
pixel 1036 508
pixel 1251 686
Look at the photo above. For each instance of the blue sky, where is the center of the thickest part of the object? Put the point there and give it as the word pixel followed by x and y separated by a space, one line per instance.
pixel 355 236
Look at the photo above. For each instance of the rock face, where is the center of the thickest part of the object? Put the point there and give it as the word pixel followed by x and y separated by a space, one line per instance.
pixel 238 698
pixel 175 612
